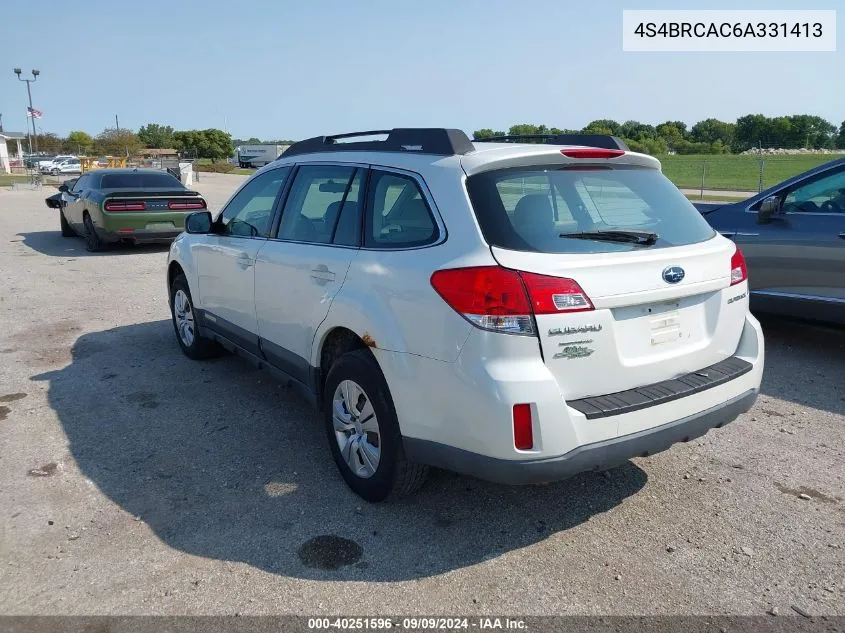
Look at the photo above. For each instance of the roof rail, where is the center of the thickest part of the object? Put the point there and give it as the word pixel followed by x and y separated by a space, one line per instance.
pixel 422 140
pixel 604 141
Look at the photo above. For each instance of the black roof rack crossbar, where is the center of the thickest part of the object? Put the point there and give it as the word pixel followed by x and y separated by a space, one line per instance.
pixel 438 141
pixel 604 141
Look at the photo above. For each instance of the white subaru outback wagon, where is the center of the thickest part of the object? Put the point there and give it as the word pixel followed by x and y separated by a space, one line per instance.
pixel 519 312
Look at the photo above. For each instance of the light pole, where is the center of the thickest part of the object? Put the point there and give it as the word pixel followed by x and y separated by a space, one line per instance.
pixel 35 73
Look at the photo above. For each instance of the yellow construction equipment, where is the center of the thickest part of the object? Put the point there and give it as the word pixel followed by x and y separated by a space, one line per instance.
pixel 88 163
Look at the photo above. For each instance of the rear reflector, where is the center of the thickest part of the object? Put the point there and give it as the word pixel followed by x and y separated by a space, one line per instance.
pixel 592 152
pixel 184 206
pixel 504 300
pixel 739 271
pixel 134 205
pixel 523 434
pixel 125 230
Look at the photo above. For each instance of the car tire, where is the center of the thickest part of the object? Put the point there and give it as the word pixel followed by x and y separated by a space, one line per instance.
pixel 393 475
pixel 92 240
pixel 67 229
pixel 182 313
pixel 55 172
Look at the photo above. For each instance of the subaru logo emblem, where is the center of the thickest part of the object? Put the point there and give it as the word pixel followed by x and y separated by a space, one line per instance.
pixel 673 274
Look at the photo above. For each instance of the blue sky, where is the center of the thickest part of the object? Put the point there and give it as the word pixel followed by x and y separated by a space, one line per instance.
pixel 291 69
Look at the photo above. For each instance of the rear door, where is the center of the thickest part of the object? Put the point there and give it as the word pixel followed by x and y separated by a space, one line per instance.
pixel 653 310
pixel 800 253
pixel 226 259
pixel 298 273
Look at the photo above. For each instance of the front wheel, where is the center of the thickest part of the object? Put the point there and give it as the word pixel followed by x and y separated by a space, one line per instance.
pixel 363 430
pixel 194 345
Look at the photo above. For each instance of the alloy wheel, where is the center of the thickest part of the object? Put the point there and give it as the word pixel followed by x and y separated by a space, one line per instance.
pixel 356 429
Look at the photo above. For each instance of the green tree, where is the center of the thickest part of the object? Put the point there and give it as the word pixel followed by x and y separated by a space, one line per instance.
pixel 712 130
pixel 156 136
pixel 49 142
pixel 210 143
pixel 673 132
pixel 114 142
pixel 79 142
pixel 603 126
pixel 840 140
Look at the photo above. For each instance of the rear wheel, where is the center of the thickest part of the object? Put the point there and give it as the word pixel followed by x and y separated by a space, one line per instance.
pixel 363 430
pixel 194 346
pixel 92 240
pixel 67 229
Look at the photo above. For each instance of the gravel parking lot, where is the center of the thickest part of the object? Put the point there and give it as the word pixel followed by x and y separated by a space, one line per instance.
pixel 135 481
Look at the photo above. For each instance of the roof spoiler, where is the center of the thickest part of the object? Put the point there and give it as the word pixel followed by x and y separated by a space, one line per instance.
pixel 438 141
pixel 603 141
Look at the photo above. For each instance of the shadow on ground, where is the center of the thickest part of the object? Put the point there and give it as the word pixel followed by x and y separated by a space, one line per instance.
pixel 818 350
pixel 52 243
pixel 222 461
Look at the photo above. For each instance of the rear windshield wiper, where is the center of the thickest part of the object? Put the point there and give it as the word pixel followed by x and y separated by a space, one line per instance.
pixel 646 238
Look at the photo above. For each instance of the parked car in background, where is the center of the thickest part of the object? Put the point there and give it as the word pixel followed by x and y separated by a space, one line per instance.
pixel 517 312
pixel 33 161
pixel 793 238
pixel 131 205
pixel 49 161
pixel 66 166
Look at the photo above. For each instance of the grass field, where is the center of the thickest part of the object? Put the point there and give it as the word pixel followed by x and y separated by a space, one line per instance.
pixel 737 172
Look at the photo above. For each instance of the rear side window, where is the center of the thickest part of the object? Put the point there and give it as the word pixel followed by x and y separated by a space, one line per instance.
pixel 322 206
pixel 529 209
pixel 398 215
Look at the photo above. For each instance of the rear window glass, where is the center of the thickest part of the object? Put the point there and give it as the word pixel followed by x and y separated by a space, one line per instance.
pixel 119 181
pixel 527 209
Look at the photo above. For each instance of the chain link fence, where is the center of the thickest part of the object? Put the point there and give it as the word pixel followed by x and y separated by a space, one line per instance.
pixel 739 174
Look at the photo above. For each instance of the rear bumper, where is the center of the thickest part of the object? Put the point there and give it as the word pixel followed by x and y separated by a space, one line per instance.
pixel 468 427
pixel 598 456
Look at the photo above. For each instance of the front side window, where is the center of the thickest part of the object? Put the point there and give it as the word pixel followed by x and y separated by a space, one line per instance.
pixel 824 195
pixel 549 209
pixel 398 215
pixel 248 214
pixel 322 206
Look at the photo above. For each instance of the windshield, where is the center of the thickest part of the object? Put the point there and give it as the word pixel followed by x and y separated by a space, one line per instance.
pixel 549 209
pixel 140 180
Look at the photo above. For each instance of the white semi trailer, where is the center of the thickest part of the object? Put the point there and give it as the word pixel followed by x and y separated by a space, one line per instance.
pixel 258 155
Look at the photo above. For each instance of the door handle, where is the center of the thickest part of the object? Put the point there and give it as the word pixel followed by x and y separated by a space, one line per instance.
pixel 244 261
pixel 322 273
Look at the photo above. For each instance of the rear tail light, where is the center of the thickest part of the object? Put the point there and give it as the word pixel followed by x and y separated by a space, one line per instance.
pixel 552 295
pixel 185 206
pixel 592 152
pixel 504 300
pixel 523 434
pixel 489 297
pixel 739 271
pixel 125 206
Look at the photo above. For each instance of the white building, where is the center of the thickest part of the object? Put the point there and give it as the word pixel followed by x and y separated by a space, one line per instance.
pixel 5 137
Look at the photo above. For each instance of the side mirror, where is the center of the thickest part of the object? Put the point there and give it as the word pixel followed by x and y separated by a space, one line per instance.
pixel 64 188
pixel 768 208
pixel 198 222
